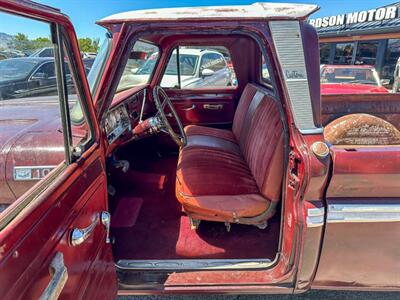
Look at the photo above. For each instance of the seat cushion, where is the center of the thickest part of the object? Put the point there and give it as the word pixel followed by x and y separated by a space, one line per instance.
pixel 217 185
pixel 203 171
pixel 224 134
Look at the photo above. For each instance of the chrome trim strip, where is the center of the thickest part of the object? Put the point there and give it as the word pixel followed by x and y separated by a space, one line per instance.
pixel 318 130
pixel 192 264
pixel 363 213
pixel 315 217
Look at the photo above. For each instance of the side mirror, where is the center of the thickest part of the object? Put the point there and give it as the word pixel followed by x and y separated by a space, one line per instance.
pixel 385 82
pixel 39 76
pixel 207 72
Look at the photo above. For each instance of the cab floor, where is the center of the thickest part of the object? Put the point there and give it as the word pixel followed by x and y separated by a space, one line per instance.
pixel 161 230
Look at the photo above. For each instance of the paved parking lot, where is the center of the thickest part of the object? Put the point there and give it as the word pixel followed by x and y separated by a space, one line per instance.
pixel 313 295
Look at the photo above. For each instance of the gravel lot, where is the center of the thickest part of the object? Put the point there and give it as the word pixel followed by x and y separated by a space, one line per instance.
pixel 313 295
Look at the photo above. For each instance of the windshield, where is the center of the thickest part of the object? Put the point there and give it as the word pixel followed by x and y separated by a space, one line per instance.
pixel 187 64
pixel 140 65
pixel 11 69
pixel 98 65
pixel 350 76
pixel 148 66
pixel 93 78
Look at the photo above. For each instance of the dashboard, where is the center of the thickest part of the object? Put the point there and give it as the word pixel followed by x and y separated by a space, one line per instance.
pixel 123 117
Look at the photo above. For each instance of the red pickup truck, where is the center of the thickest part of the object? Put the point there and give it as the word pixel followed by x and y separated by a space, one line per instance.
pixel 350 79
pixel 255 187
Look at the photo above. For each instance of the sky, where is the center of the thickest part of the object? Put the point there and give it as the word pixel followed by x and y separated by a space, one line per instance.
pixel 84 13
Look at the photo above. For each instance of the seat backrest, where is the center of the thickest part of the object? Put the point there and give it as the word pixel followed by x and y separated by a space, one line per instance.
pixel 241 111
pixel 260 135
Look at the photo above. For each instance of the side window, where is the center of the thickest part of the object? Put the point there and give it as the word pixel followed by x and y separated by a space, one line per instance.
pixel 324 51
pixel 191 67
pixel 47 70
pixel 265 76
pixel 32 109
pixel 343 53
pixel 48 52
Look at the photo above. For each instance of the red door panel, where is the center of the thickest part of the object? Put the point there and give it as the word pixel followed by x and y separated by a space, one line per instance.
pixel 37 256
pixel 202 107
pixel 362 235
pixel 30 243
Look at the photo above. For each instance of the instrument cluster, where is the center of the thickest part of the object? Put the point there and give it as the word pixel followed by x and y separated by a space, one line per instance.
pixel 117 122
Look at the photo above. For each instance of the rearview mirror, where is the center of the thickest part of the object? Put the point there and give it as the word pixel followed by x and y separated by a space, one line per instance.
pixel 138 55
pixel 207 72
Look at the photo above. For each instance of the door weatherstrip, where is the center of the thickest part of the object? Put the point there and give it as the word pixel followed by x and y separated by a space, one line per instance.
pixel 192 264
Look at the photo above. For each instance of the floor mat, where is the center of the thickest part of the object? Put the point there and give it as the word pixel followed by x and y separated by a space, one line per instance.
pixel 126 212
pixel 162 230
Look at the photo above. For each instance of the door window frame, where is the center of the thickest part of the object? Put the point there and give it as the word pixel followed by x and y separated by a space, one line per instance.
pixel 59 37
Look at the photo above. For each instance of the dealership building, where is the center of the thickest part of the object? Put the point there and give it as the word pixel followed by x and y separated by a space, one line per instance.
pixel 370 37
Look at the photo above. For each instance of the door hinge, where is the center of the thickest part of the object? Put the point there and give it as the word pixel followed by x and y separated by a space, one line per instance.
pixel 293 180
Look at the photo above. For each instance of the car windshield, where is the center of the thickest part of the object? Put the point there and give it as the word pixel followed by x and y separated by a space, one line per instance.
pixel 93 78
pixel 148 67
pixel 350 76
pixel 14 68
pixel 187 64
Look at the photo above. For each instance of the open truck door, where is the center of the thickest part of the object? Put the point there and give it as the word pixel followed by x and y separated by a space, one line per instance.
pixel 54 225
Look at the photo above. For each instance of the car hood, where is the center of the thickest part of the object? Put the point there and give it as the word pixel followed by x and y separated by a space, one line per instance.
pixel 351 88
pixel 27 115
pixel 30 135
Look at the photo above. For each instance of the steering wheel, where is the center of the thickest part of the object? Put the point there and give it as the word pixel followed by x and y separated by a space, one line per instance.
pixel 162 101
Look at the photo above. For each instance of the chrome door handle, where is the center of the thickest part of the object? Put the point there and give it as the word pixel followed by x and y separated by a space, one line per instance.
pixel 59 276
pixel 106 221
pixel 213 106
pixel 190 108
pixel 78 236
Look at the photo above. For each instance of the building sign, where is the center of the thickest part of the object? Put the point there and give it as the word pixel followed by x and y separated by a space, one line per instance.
pixel 378 14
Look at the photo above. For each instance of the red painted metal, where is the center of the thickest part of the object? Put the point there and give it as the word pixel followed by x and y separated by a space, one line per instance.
pixel 73 199
pixel 30 241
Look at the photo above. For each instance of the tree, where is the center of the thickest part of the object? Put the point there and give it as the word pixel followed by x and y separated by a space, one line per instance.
pixel 21 42
pixel 41 42
pixel 88 45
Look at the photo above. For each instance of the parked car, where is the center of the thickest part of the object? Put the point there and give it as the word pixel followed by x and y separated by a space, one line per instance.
pixel 28 77
pixel 88 63
pixel 396 78
pixel 43 52
pixel 4 54
pixel 25 77
pixel 198 67
pixel 349 79
pixel 218 189
pixel 90 55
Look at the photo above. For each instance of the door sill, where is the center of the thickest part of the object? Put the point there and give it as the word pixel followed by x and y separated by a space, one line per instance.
pixel 192 264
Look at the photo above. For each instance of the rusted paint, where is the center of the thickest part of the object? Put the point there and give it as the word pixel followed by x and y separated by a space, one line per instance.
pixel 385 106
pixel 253 11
